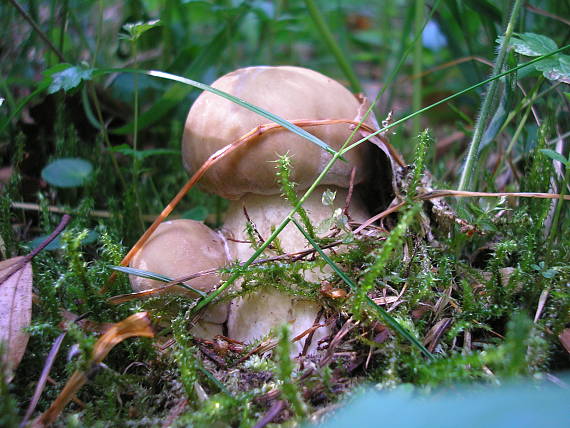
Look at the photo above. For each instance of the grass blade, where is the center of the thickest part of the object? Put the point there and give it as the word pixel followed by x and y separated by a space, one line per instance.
pixel 264 113
pixel 332 44
pixel 486 107
pixel 155 277
pixel 381 312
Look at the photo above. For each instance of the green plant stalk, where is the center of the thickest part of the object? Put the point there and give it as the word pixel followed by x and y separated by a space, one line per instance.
pixel 91 91
pixel 135 140
pixel 486 108
pixel 559 202
pixel 405 54
pixel 289 192
pixel 522 122
pixel 417 66
pixel 332 44
pixel 136 101
pixel 103 129
pixel 63 24
pixel 425 142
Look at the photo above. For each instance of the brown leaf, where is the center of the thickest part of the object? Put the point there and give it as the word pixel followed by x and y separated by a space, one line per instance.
pixel 434 335
pixel 565 339
pixel 136 325
pixel 15 311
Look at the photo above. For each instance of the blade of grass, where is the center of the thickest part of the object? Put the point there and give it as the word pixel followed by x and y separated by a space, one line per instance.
pixel 332 44
pixel 417 66
pixel 262 112
pixel 392 76
pixel 381 312
pixel 154 276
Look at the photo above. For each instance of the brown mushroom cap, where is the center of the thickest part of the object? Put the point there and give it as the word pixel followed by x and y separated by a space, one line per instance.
pixel 182 247
pixel 289 92
pixel 178 248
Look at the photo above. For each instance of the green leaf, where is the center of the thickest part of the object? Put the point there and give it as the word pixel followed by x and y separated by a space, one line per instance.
pixel 134 30
pixel 531 44
pixel 127 150
pixel 555 156
pixel 520 404
pixel 67 172
pixel 555 68
pixel 66 77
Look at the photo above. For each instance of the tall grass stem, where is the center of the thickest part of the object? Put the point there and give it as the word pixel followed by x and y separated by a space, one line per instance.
pixel 417 67
pixel 465 183
pixel 332 44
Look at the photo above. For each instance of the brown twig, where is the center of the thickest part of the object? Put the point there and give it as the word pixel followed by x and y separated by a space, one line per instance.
pixel 37 29
pixel 434 194
pixel 379 216
pixel 312 333
pixel 271 414
pixel 28 257
pixel 545 13
pixel 350 191
pixel 464 194
pixel 95 213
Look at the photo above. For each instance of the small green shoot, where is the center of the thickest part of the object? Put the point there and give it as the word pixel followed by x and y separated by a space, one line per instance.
pixel 285 372
pixel 288 188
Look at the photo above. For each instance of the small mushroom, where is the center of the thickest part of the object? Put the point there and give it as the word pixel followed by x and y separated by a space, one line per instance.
pixel 179 248
pixel 247 175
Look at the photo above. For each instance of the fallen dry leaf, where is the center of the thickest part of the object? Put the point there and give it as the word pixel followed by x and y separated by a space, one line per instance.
pixel 138 324
pixel 385 300
pixel 15 311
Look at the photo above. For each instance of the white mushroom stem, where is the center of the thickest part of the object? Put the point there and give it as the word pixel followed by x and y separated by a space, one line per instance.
pixel 254 315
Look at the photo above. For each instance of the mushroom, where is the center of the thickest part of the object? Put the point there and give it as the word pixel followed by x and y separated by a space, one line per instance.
pixel 247 176
pixel 179 248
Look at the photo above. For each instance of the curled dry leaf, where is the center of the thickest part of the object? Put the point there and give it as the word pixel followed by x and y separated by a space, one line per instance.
pixel 138 324
pixel 15 311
